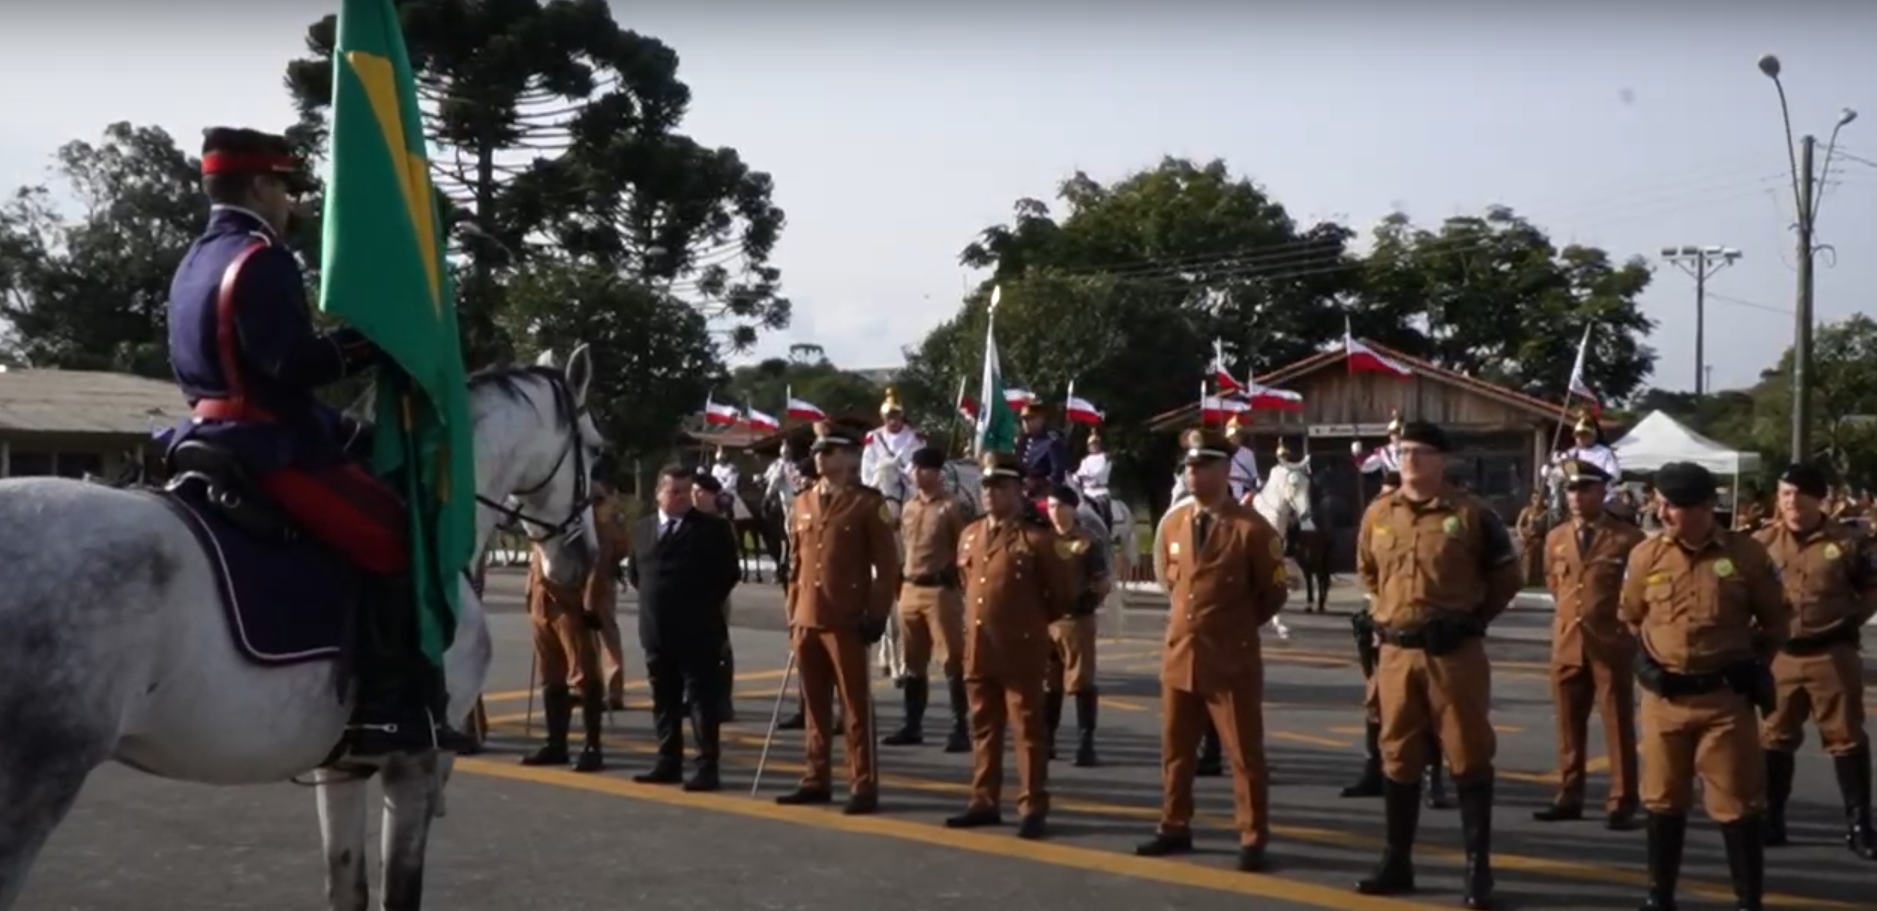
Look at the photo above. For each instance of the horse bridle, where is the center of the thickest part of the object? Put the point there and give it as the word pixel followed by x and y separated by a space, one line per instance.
pixel 513 516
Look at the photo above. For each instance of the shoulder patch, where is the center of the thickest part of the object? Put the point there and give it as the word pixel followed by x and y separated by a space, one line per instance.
pixel 1277 552
pixel 886 512
pixel 1065 549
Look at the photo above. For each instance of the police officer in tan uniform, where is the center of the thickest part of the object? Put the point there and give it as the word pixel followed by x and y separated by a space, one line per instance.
pixel 931 605
pixel 1441 566
pixel 1072 638
pixel 1830 576
pixel 568 624
pixel 843 574
pixel 607 511
pixel 1222 566
pixel 1593 658
pixel 1708 610
pixel 1019 578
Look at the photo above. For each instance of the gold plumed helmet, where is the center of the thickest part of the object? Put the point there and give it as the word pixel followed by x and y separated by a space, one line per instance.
pixel 890 404
pixel 1394 421
pixel 1583 424
pixel 1283 451
pixel 1233 425
pixel 1094 434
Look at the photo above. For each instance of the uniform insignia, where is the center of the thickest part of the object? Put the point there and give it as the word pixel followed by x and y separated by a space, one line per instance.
pixel 1279 576
pixel 1724 567
pixel 1659 578
pixel 886 512
pixel 1078 546
pixel 1451 525
pixel 1832 552
pixel 1174 548
pixel 1065 549
pixel 1381 529
pixel 1277 549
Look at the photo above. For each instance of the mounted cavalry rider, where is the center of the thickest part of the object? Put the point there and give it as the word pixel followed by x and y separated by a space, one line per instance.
pixel 1590 447
pixel 1092 477
pixel 1386 458
pixel 895 441
pixel 726 474
pixel 1042 451
pixel 1244 467
pixel 248 359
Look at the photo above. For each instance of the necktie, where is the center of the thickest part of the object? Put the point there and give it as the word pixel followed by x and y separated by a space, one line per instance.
pixel 1584 537
pixel 664 534
pixel 1201 527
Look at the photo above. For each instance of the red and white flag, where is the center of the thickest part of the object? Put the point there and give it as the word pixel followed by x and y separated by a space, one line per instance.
pixel 1362 358
pixel 1081 411
pixel 1221 375
pixel 802 410
pixel 1267 398
pixel 1217 409
pixel 721 414
pixel 966 405
pixel 1579 386
pixel 1019 397
pixel 759 421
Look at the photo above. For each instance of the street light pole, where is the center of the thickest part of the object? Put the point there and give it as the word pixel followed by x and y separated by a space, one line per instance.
pixel 1701 262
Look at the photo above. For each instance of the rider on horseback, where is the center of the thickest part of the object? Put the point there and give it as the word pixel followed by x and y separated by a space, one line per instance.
pixel 1244 468
pixel 1386 458
pixel 725 473
pixel 248 359
pixel 1590 447
pixel 1042 451
pixel 895 441
pixel 1294 533
pixel 1092 478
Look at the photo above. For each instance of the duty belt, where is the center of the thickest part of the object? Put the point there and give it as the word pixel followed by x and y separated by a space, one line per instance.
pixel 931 580
pixel 1820 643
pixel 1436 637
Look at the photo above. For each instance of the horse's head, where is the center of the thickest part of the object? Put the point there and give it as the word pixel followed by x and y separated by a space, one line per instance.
pixel 890 480
pixel 535 447
pixel 965 480
pixel 1287 487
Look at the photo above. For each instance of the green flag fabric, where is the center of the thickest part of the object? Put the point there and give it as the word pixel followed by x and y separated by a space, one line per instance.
pixel 997 421
pixel 382 271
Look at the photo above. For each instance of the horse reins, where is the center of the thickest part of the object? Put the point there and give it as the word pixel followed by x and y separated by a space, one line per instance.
pixel 514 515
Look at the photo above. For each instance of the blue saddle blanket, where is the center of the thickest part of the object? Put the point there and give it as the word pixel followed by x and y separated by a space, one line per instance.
pixel 287 602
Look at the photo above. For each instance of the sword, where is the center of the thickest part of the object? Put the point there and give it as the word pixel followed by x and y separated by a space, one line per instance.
pixel 775 718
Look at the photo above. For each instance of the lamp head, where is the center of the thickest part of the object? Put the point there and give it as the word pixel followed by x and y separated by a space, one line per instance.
pixel 1846 116
pixel 1769 64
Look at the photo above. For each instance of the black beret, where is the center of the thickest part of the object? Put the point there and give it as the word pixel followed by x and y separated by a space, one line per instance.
pixel 1810 479
pixel 709 482
pixel 1391 478
pixel 1426 434
pixel 1066 495
pixel 928 457
pixel 1685 484
pixel 1580 472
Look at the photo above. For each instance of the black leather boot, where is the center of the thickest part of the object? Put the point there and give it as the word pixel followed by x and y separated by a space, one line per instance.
pixel 1854 778
pixel 1780 769
pixel 557 707
pixel 1746 862
pixel 912 732
pixel 726 687
pixel 1052 717
pixel 1369 783
pixel 1086 704
pixel 1436 776
pixel 1666 834
pixel 959 740
pixel 1476 834
pixel 1211 754
pixel 593 718
pixel 705 728
pixel 400 704
pixel 1394 875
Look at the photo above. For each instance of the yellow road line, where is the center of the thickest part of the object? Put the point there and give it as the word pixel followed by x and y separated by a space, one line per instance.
pixel 513 695
pixel 1310 739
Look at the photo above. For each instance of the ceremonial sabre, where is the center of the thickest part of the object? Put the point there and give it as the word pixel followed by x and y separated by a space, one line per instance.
pixel 775 717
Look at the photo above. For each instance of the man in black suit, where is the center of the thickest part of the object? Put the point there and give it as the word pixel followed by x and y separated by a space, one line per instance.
pixel 684 564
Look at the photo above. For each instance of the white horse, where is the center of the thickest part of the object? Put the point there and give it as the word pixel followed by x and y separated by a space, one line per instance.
pixel 114 645
pixel 1284 497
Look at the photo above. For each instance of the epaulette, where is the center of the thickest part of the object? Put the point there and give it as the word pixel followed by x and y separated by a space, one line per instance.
pixel 868 439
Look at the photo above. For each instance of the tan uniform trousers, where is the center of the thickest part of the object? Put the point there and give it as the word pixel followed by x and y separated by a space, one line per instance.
pixel 1829 689
pixel 564 650
pixel 1238 714
pixel 614 655
pixel 1611 688
pixel 1450 695
pixel 931 615
pixel 831 661
pixel 1072 655
pixel 1017 701
pixel 1712 735
pixel 1372 699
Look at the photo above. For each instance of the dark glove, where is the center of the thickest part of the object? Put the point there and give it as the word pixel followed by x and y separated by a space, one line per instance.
pixel 592 620
pixel 358 351
pixel 871 630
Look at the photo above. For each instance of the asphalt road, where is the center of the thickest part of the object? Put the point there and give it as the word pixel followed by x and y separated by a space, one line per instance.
pixel 518 837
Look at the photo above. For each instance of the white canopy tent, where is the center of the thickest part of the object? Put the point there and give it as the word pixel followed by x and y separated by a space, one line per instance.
pixel 1658 439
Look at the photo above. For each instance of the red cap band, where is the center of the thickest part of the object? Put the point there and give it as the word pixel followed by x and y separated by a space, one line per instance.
pixel 226 163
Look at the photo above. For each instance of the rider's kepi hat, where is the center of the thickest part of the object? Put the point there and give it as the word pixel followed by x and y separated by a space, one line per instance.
pixel 238 150
pixel 928 457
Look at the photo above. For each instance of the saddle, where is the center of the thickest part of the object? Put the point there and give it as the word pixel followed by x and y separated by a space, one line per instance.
pixel 229 489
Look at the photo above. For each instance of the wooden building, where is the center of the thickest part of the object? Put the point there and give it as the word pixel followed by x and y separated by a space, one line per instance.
pixel 73 423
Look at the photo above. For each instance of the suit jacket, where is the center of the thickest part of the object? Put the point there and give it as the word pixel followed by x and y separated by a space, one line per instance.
pixel 683 581
pixel 1588 587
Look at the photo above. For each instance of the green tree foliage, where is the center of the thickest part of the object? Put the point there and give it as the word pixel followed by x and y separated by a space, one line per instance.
pixel 1844 405
pixel 764 386
pixel 555 128
pixel 88 289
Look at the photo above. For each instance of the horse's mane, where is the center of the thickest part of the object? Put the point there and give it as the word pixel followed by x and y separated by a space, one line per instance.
pixel 507 380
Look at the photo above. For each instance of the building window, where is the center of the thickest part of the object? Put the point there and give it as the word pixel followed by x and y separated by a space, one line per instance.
pixel 54 464
pixel 29 464
pixel 78 464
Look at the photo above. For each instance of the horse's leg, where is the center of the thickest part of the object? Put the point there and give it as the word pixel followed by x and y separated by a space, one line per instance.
pixel 37 789
pixel 341 797
pixel 411 786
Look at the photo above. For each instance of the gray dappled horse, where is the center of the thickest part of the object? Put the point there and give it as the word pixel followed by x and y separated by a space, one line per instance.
pixel 115 645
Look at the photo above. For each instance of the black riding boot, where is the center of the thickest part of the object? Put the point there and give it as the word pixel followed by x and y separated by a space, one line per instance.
pixel 1666 834
pixel 593 718
pixel 1780 769
pixel 1052 717
pixel 1211 754
pixel 1476 835
pixel 959 741
pixel 1401 805
pixel 912 732
pixel 1086 704
pixel 1746 862
pixel 557 707
pixel 1437 796
pixel 705 729
pixel 400 703
pixel 726 687
pixel 1369 783
pixel 1854 779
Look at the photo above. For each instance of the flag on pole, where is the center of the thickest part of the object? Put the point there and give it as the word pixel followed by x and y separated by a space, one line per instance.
pixel 801 409
pixel 757 420
pixel 1269 398
pixel 720 414
pixel 997 420
pixel 1220 374
pixel 966 405
pixel 1217 409
pixel 1580 387
pixel 382 270
pixel 1362 358
pixel 1080 410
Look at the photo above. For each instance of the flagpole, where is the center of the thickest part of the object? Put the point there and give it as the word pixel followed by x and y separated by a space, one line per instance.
pixel 1564 407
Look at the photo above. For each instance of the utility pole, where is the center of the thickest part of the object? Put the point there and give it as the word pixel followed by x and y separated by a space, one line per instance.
pixel 1802 317
pixel 1701 262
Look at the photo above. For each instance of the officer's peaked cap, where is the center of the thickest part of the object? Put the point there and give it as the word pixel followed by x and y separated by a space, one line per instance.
pixel 1204 444
pixel 1810 479
pixel 239 150
pixel 1001 466
pixel 928 457
pixel 1578 472
pixel 1685 484
pixel 827 436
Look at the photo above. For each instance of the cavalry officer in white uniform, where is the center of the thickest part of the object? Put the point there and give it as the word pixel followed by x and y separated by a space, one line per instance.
pixel 894 441
pixel 726 474
pixel 1587 438
pixel 1386 458
pixel 1244 467
pixel 1091 476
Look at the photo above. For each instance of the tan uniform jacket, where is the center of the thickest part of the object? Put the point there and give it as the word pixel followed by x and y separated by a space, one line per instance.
pixel 1220 592
pixel 1019 578
pixel 1829 575
pixel 845 565
pixel 601 587
pixel 1700 610
pixel 931 527
pixel 1588 588
pixel 1448 556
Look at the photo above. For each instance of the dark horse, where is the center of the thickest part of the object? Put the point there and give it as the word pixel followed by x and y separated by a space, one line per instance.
pixel 1315 549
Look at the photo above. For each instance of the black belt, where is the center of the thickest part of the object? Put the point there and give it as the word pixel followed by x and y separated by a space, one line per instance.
pixel 1820 643
pixel 930 580
pixel 1436 637
pixel 1750 679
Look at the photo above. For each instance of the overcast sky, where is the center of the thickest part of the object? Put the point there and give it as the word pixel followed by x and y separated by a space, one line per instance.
pixel 895 136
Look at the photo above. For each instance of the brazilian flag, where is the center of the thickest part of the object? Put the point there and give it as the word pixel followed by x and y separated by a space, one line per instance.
pixel 383 272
